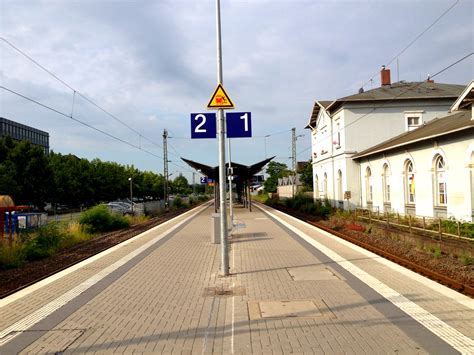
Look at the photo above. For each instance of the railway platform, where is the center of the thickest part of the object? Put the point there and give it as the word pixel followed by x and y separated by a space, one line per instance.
pixel 293 289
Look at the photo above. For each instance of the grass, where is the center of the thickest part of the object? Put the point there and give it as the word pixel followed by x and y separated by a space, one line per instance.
pixel 466 258
pixel 262 198
pixel 41 243
pixel 11 255
pixel 436 250
pixel 134 220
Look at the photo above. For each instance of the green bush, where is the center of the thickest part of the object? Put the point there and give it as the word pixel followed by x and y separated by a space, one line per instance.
pixel 178 202
pixel 451 227
pixel 101 219
pixel 46 243
pixel 304 204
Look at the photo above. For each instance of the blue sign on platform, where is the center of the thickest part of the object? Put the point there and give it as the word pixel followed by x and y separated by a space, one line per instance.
pixel 203 179
pixel 203 125
pixel 239 124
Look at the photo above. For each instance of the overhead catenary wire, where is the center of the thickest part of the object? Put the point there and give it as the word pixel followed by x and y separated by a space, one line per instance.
pixel 414 40
pixel 78 121
pixel 78 93
pixel 389 101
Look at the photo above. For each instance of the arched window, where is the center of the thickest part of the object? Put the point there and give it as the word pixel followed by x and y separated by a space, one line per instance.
pixel 316 186
pixel 368 184
pixel 409 182
pixel 340 197
pixel 441 197
pixel 386 183
pixel 325 186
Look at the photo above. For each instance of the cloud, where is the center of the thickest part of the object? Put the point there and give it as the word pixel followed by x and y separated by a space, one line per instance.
pixel 153 63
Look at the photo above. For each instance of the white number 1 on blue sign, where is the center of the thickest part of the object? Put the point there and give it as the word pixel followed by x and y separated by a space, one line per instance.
pixel 245 117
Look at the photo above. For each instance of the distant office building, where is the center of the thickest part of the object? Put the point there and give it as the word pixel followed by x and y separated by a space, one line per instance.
pixel 21 132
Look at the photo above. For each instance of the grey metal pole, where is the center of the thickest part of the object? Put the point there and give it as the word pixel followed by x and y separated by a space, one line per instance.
pixel 231 176
pixel 131 193
pixel 222 175
pixel 165 167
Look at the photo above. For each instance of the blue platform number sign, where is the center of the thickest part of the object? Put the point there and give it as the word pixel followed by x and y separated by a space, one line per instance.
pixel 239 124
pixel 203 125
pixel 203 179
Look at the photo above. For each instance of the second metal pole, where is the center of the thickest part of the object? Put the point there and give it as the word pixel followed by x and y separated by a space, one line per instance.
pixel 231 176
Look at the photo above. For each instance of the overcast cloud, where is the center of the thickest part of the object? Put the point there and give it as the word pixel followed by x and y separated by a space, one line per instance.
pixel 152 63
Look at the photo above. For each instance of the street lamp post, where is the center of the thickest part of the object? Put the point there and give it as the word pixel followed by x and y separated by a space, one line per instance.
pixel 265 144
pixel 131 192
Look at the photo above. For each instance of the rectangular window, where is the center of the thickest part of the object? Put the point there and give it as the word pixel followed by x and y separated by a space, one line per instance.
pixel 413 120
pixel 411 189
pixel 413 123
pixel 442 194
pixel 442 198
pixel 387 188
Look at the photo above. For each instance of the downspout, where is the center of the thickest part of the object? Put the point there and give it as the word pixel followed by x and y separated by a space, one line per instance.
pixel 332 165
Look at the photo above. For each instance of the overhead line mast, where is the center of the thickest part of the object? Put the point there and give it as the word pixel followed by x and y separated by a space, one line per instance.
pixel 165 167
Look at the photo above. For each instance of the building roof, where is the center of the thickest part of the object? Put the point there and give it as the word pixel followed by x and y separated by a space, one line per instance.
pixel 465 99
pixel 402 91
pixel 314 115
pixel 396 91
pixel 28 128
pixel 434 128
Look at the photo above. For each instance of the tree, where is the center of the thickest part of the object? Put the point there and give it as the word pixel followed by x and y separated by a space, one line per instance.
pixel 275 171
pixel 306 176
pixel 25 173
pixel 180 185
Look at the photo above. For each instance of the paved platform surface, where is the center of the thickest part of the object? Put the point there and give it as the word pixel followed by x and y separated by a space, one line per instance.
pixel 292 289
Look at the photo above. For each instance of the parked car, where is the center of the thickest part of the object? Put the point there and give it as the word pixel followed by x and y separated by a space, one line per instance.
pixel 121 208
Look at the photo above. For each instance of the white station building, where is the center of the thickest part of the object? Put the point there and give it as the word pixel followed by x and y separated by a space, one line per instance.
pixel 403 147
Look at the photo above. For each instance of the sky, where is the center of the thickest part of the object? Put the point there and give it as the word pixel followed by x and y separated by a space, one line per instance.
pixel 147 65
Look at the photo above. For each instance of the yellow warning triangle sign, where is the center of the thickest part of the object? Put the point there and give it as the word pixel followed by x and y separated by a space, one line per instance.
pixel 220 99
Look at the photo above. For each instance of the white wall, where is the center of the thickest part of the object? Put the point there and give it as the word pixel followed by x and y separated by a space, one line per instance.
pixel 368 127
pixel 456 151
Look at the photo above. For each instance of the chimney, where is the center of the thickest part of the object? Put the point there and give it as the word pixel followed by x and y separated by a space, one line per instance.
pixel 385 76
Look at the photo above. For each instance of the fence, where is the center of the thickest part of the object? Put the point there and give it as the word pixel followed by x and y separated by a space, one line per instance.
pixel 435 226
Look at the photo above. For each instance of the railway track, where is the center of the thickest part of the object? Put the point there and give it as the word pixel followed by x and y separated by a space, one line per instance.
pixel 433 275
pixel 14 280
pixel 442 279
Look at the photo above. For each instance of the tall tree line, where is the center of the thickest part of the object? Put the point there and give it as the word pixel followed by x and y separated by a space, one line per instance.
pixel 33 178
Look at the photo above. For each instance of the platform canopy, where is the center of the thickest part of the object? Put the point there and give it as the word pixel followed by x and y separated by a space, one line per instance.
pixel 243 172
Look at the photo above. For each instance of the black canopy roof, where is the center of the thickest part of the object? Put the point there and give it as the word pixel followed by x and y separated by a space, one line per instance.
pixel 244 172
